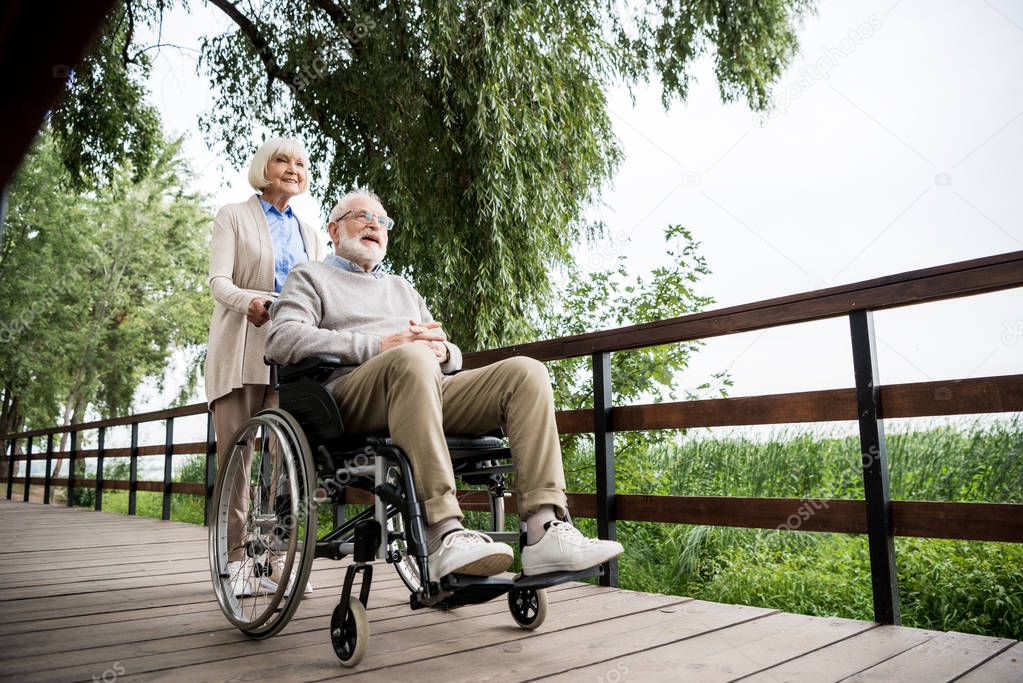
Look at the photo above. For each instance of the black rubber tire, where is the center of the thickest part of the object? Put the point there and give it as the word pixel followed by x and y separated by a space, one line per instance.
pixel 528 606
pixel 349 632
pixel 255 620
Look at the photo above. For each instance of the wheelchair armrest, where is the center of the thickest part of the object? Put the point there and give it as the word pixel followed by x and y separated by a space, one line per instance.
pixel 316 367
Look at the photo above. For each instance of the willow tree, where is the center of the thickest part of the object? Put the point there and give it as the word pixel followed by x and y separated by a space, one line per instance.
pixel 99 286
pixel 483 124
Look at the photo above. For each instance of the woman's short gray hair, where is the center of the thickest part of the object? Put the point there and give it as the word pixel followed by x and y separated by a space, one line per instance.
pixel 339 208
pixel 257 167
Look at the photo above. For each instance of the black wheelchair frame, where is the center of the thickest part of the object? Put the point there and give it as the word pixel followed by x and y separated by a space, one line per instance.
pixel 317 462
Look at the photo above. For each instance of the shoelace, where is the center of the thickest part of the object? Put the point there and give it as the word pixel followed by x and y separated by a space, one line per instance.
pixel 566 533
pixel 464 539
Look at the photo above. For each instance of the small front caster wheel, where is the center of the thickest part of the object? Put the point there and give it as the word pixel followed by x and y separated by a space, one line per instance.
pixel 349 632
pixel 528 606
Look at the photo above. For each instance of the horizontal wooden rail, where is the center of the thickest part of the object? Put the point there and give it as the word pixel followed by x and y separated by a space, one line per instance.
pixel 965 278
pixel 998 394
pixel 918 399
pixel 924 519
pixel 188 487
pixel 183 411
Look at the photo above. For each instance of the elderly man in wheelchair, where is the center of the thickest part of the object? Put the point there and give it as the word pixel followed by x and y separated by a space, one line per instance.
pixel 372 398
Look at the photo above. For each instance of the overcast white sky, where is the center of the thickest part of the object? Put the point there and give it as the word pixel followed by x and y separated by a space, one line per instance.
pixel 896 144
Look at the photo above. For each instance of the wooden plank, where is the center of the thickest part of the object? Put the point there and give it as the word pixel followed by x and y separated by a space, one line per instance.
pixel 925 519
pixel 967 521
pixel 965 278
pixel 166 540
pixel 150 642
pixel 847 516
pixel 153 416
pixel 47 607
pixel 183 448
pixel 953 397
pixel 88 557
pixel 200 628
pixel 188 487
pixel 192 574
pixel 576 421
pixel 1005 667
pixel 726 654
pixel 839 660
pixel 308 655
pixel 326 577
pixel 805 406
pixel 82 574
pixel 919 399
pixel 558 648
pixel 105 585
pixel 942 658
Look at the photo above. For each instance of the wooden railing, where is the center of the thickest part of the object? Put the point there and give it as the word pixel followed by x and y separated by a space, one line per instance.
pixel 74 454
pixel 866 402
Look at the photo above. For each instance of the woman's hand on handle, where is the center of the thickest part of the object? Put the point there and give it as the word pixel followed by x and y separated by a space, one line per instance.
pixel 259 311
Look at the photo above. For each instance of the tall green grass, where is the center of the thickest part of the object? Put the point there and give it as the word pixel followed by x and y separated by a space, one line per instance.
pixel 946 585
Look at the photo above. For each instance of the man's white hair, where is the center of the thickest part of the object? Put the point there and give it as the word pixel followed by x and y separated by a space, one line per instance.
pixel 257 167
pixel 340 207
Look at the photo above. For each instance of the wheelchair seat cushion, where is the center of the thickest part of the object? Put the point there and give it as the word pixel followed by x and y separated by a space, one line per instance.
pixel 473 442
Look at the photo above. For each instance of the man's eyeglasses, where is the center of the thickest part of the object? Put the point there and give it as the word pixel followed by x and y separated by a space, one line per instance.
pixel 368 217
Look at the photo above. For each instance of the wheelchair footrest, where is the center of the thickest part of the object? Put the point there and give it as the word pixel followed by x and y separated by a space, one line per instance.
pixel 471 590
pixel 555 578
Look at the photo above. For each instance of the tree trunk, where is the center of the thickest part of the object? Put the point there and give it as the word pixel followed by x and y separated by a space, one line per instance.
pixel 72 414
pixel 11 421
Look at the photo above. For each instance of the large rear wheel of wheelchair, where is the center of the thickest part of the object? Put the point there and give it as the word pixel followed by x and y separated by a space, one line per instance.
pixel 264 485
pixel 349 632
pixel 528 606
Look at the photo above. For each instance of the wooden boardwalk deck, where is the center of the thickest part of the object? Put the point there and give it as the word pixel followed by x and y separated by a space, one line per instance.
pixel 97 596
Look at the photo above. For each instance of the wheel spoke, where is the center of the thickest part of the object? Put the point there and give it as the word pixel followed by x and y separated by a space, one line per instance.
pixel 272 529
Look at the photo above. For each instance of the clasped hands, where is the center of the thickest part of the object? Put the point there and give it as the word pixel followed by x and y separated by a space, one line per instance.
pixel 429 334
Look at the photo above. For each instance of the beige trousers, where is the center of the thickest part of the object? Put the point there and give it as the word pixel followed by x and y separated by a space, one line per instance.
pixel 229 413
pixel 403 391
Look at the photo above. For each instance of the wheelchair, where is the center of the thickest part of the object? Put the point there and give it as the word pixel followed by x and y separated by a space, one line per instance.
pixel 289 461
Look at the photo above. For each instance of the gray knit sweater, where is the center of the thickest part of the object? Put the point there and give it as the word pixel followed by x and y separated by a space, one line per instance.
pixel 324 308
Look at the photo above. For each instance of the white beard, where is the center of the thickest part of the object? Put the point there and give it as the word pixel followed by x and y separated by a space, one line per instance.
pixel 354 250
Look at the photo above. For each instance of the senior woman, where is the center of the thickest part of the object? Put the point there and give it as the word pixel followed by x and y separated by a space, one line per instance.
pixel 255 244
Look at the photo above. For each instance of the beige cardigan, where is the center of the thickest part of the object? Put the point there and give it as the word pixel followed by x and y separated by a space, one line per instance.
pixel 242 267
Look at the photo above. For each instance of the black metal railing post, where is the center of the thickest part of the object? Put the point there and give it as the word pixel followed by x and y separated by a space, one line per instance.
pixel 10 469
pixel 874 459
pixel 168 454
pixel 133 469
pixel 48 480
pixel 603 439
pixel 28 469
pixel 211 461
pixel 101 447
pixel 72 452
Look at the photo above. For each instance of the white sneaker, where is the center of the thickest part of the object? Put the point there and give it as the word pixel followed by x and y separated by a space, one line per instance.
pixel 280 572
pixel 564 549
pixel 469 552
pixel 242 580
